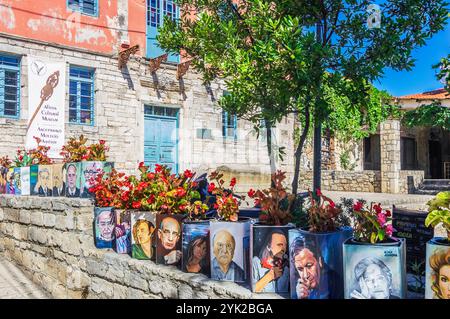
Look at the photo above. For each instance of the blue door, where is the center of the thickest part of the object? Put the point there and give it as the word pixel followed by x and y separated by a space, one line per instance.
pixel 161 137
pixel 156 10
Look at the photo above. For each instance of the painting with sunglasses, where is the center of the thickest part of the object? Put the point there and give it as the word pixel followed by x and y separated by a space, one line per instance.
pixel 90 170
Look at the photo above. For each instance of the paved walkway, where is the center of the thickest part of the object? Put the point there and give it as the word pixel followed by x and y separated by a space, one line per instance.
pixel 15 285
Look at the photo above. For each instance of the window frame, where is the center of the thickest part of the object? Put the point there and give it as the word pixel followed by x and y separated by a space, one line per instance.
pixel 226 125
pixel 18 88
pixel 78 105
pixel 80 8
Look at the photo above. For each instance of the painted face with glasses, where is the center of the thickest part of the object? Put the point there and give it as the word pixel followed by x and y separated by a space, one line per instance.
pixel 224 245
pixel 106 225
pixel 90 173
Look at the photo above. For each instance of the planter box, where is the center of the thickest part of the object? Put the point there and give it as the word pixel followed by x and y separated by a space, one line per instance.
pixel 25 186
pixel 267 242
pixel 122 242
pixel 168 241
pixel 17 180
pixel 316 264
pixel 41 180
pixel 230 250
pixel 72 179
pixel 143 234
pixel 196 252
pixel 3 182
pixel 58 180
pixel 10 181
pixel 437 284
pixel 375 271
pixel 104 222
pixel 90 170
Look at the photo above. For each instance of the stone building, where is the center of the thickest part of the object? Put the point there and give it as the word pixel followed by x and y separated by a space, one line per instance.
pixel 143 115
pixel 397 159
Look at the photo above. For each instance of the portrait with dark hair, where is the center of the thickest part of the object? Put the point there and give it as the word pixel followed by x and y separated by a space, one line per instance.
pixel 142 238
pixel 196 250
pixel 104 227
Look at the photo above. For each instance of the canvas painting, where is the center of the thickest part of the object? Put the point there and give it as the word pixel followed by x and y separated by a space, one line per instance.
pixel 168 239
pixel 123 232
pixel 230 250
pixel 58 180
pixel 72 179
pixel 34 170
pixel 143 231
pixel 10 182
pixel 196 252
pixel 437 272
pixel 25 180
pixel 104 223
pixel 89 171
pixel 3 179
pixel 17 181
pixel 43 183
pixel 270 259
pixel 374 272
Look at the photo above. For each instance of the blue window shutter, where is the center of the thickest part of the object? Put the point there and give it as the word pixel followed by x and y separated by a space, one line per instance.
pixel 81 96
pixel 88 7
pixel 9 86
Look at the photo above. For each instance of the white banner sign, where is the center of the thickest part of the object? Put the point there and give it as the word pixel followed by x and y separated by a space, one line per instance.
pixel 46 96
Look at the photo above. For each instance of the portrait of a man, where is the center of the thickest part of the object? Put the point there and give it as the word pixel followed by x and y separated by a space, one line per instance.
pixel 223 267
pixel 44 184
pixel 90 171
pixel 142 239
pixel 71 177
pixel 169 245
pixel 58 180
pixel 373 280
pixel 104 227
pixel 270 272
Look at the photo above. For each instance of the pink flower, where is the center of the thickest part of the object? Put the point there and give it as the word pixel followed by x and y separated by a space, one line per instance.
pixel 211 187
pixel 381 218
pixel 357 206
pixel 251 193
pixel 377 208
pixel 233 182
pixel 389 230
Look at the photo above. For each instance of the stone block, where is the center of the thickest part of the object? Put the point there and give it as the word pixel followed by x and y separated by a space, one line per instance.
pixel 49 220
pixel 36 218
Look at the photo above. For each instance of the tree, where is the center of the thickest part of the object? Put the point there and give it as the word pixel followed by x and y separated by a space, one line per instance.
pixel 281 57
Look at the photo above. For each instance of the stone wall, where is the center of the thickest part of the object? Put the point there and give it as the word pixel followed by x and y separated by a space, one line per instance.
pixel 52 241
pixel 364 181
pixel 405 186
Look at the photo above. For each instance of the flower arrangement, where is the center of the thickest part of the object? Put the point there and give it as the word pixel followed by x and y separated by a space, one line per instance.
pixel 76 150
pixel 439 212
pixel 39 155
pixel 107 191
pixel 226 204
pixel 275 202
pixel 5 162
pixel 372 224
pixel 323 215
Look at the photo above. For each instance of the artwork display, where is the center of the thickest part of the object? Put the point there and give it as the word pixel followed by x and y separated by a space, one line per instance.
pixel 316 264
pixel 168 240
pixel 58 180
pixel 104 223
pixel 72 179
pixel 89 170
pixel 44 181
pixel 437 273
pixel 3 179
pixel 122 231
pixel 230 250
pixel 25 186
pixel 375 271
pixel 34 170
pixel 142 239
pixel 196 251
pixel 270 258
pixel 17 181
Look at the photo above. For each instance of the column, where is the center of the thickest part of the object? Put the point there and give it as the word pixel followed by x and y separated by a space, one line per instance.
pixel 390 156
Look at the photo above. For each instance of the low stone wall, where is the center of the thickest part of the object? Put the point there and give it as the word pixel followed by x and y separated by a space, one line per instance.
pixel 51 239
pixel 415 179
pixel 362 181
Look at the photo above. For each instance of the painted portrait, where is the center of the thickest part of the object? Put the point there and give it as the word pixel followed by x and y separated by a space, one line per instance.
pixel 89 171
pixel 43 186
pixel 25 180
pixel 143 229
pixel 3 179
pixel 230 250
pixel 72 179
pixel 10 182
pixel 17 181
pixel 168 240
pixel 196 252
pixel 374 272
pixel 438 272
pixel 270 261
pixel 122 230
pixel 104 227
pixel 58 180
pixel 34 170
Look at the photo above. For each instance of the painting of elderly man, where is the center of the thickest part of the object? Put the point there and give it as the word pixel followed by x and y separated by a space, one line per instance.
pixel 104 227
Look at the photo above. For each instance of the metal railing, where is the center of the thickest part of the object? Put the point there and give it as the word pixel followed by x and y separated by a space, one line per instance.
pixel 447 170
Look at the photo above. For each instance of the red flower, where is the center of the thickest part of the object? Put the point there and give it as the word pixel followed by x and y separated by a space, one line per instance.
pixel 318 192
pixel 182 207
pixel 141 164
pixel 102 142
pixel 216 206
pixel 211 187
pixel 251 193
pixel 357 206
pixel 388 213
pixel 377 208
pixel 332 204
pixel 194 184
pixel 151 199
pixel 150 175
pixel 158 168
pixel 181 192
pixel 136 205
pixel 188 174
pixel 233 182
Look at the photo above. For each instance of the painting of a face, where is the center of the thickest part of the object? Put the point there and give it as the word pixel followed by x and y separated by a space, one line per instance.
pixel 143 234
pixel 224 247
pixel 200 250
pixel 278 244
pixel 90 172
pixel 376 282
pixel 57 178
pixel 106 225
pixel 169 234
pixel 308 268
pixel 444 281
pixel 44 178
pixel 72 176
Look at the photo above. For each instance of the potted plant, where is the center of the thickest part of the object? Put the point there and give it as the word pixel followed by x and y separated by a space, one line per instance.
pixel 438 249
pixel 229 234
pixel 269 237
pixel 41 170
pixel 5 164
pixel 315 253
pixel 374 260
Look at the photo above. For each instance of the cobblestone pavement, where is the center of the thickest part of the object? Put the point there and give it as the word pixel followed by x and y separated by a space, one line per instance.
pixel 15 285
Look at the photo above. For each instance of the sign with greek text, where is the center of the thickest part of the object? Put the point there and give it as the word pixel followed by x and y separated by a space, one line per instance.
pixel 46 100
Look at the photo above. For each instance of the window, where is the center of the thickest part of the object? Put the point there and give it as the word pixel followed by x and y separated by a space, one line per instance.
pixel 9 86
pixel 89 7
pixel 81 96
pixel 229 125
pixel 372 155
pixel 408 154
pixel 161 111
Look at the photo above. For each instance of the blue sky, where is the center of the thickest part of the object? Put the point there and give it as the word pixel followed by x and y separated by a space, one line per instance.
pixel 422 78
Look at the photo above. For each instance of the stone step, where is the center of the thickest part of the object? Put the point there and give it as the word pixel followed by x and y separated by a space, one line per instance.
pixel 427 191
pixel 443 182
pixel 434 187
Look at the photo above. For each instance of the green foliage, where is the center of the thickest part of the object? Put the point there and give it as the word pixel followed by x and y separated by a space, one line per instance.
pixel 439 212
pixel 345 161
pixel 434 115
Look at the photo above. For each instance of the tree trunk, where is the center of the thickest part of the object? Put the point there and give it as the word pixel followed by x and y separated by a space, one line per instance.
pixel 273 167
pixel 298 151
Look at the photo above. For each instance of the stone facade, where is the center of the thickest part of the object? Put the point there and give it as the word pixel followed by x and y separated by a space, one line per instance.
pixel 52 241
pixel 410 181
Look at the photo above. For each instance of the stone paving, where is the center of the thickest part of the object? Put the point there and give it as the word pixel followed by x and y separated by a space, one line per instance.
pixel 15 285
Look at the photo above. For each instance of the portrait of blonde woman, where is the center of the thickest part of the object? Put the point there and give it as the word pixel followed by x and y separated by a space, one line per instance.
pixel 440 273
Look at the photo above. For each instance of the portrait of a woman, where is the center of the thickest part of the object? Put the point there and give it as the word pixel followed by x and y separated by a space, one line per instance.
pixel 440 273
pixel 197 259
pixel 142 235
